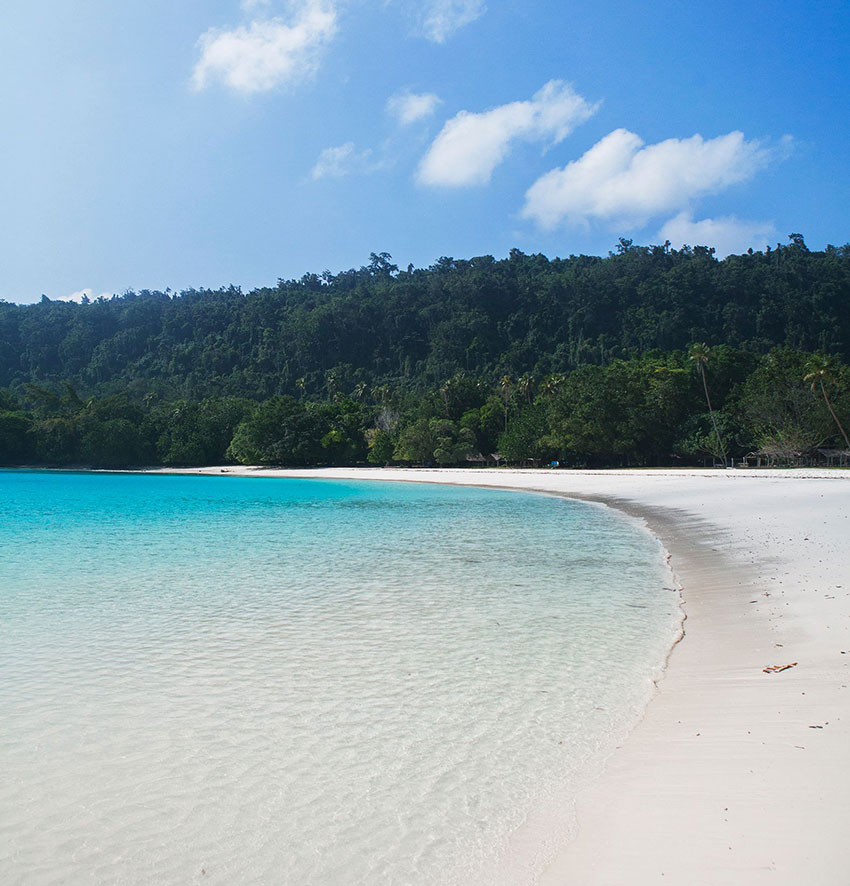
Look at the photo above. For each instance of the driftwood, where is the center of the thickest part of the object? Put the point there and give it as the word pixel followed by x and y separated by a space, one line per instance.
pixel 776 669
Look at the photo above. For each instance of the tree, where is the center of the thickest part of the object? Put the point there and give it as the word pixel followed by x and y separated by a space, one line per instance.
pixel 522 440
pixel 776 407
pixel 820 373
pixel 381 445
pixel 523 314
pixel 525 386
pixel 280 431
pixel 506 389
pixel 55 441
pixel 344 442
pixel 114 433
pixel 593 414
pixel 14 432
pixel 439 439
pixel 114 443
pixel 700 354
pixel 416 443
pixel 460 393
pixel 698 439
pixel 381 265
pixel 332 383
pixel 454 443
pixel 198 433
pixel 551 385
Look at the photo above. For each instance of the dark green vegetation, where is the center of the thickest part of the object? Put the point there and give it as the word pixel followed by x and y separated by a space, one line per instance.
pixel 585 360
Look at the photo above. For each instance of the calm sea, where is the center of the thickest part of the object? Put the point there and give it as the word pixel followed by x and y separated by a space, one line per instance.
pixel 255 681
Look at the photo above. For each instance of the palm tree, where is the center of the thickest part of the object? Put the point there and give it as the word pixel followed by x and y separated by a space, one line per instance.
pixel 331 382
pixel 552 384
pixel 820 374
pixel 699 354
pixel 445 393
pixel 506 386
pixel 525 385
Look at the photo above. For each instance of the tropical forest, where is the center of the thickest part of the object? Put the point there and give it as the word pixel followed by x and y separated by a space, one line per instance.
pixel 649 356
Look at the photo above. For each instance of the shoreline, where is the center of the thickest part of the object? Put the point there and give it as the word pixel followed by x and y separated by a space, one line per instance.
pixel 733 775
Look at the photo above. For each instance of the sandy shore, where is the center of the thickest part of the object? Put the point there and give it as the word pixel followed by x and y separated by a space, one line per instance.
pixel 734 775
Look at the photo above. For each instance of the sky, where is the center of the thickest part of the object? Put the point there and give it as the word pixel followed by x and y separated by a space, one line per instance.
pixel 204 143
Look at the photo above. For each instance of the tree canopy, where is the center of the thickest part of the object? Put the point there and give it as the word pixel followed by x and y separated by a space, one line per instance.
pixel 647 356
pixel 525 314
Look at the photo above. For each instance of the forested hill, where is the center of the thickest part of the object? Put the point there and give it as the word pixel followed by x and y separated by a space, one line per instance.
pixel 327 334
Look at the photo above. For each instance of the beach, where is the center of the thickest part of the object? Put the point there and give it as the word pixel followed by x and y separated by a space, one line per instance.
pixel 739 771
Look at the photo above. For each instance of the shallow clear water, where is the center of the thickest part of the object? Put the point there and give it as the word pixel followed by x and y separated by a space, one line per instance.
pixel 226 680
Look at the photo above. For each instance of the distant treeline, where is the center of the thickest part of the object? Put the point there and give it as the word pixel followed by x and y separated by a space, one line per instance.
pixel 583 360
pixel 329 335
pixel 678 407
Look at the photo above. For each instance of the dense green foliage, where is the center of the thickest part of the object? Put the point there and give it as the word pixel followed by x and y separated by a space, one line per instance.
pixel 583 360
pixel 413 329
pixel 649 410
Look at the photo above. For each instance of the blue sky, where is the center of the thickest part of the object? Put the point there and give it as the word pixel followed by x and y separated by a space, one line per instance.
pixel 208 142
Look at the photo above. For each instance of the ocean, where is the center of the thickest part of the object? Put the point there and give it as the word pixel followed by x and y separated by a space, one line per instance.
pixel 232 680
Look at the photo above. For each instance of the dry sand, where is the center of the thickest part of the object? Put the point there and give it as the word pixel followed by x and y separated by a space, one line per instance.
pixel 734 775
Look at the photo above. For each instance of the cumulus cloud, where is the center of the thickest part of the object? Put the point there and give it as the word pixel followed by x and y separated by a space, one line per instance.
pixel 727 235
pixel 443 17
pixel 624 181
pixel 470 146
pixel 408 107
pixel 267 52
pixel 341 161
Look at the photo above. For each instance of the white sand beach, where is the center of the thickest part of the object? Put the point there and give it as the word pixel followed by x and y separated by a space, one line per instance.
pixel 734 775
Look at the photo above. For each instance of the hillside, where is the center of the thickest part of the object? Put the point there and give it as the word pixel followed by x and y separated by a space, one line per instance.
pixel 414 328
pixel 648 356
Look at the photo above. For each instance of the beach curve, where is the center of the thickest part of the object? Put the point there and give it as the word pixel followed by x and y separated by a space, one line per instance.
pixel 738 772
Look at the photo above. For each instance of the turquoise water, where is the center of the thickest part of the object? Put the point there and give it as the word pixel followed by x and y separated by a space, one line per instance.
pixel 229 680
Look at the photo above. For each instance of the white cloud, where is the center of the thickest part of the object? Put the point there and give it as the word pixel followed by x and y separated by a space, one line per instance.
pixel 267 52
pixel 471 146
pixel 340 161
pixel 408 107
pixel 443 17
pixel 727 235
pixel 621 180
